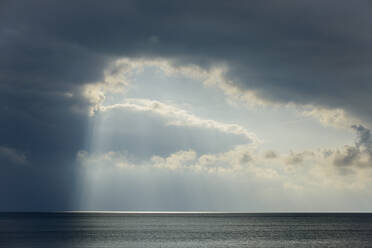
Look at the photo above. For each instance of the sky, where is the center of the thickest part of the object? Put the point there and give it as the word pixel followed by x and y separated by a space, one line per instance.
pixel 185 105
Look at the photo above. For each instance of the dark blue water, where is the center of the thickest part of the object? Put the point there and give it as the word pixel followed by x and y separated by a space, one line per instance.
pixel 184 230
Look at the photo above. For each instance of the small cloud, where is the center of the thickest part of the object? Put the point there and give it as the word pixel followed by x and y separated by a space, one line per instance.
pixel 12 155
pixel 327 153
pixel 347 157
pixel 295 158
pixel 270 154
pixel 245 158
pixel 154 39
pixel 68 94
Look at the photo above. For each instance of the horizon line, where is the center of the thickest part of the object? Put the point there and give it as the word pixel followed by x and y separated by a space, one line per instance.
pixel 184 212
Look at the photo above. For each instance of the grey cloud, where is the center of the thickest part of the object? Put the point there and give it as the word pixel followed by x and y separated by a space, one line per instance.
pixel 246 158
pixel 327 153
pixel 270 154
pixel 295 158
pixel 348 157
pixel 358 155
pixel 364 138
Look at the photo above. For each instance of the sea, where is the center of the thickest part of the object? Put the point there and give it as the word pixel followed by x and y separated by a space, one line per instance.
pixel 144 229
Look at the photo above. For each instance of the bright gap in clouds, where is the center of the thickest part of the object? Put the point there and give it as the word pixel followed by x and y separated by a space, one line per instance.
pixel 171 138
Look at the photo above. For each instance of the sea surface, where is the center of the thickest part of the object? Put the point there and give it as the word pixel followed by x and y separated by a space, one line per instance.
pixel 185 230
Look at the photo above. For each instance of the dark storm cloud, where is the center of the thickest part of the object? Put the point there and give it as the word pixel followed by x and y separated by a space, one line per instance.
pixel 316 52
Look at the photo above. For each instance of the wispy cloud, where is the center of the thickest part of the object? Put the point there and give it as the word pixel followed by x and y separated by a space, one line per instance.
pixel 13 156
pixel 179 117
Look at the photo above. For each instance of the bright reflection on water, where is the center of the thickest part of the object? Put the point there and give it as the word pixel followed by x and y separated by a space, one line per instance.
pixel 185 230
